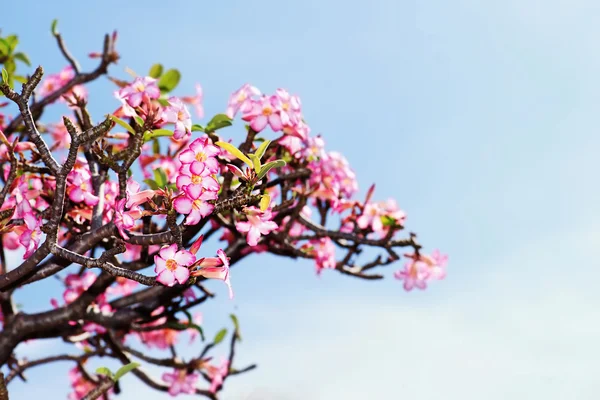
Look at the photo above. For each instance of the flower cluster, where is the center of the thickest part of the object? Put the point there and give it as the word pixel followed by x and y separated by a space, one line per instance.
pixel 196 180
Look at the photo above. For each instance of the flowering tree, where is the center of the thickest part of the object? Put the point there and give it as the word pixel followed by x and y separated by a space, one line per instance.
pixel 118 212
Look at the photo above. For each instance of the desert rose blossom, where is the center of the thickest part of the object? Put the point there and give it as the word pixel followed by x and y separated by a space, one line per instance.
pixel 201 153
pixel 178 114
pixel 414 274
pixel 132 95
pixel 259 223
pixel 125 220
pixel 193 203
pixel 215 268
pixel 180 381
pixel 264 112
pixel 171 265
pixel 241 100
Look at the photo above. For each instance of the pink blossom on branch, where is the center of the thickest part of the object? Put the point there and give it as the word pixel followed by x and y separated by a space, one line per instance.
pixel 196 101
pixel 178 114
pixel 132 95
pixel 193 203
pixel 180 381
pixel 215 268
pixel 201 153
pixel 259 223
pixel 171 265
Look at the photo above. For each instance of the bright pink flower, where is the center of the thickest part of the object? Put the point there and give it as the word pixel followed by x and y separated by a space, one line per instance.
pixel 178 114
pixel 264 112
pixel 241 100
pixel 414 274
pixel 29 238
pixel 196 101
pixel 60 136
pixel 53 82
pixel 125 220
pixel 201 153
pixel 198 176
pixel 80 187
pixel 435 263
pixel 136 197
pixel 171 265
pixel 132 95
pixel 81 386
pixel 180 382
pixel 193 203
pixel 259 223
pixel 215 268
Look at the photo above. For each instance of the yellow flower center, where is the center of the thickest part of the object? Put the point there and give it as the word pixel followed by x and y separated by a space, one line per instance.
pixel 171 264
pixel 139 87
pixel 201 157
pixel 267 111
pixel 196 179
pixel 180 116
pixel 241 97
pixel 197 203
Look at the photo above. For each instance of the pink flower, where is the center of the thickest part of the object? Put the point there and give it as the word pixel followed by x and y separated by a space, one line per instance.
pixel 180 382
pixel 198 176
pixel 435 264
pixel 178 114
pixel 80 187
pixel 259 223
pixel 414 274
pixel 201 153
pixel 264 112
pixel 80 385
pixel 323 250
pixel 159 338
pixel 132 95
pixel 196 101
pixel 215 268
pixel 136 197
pixel 76 285
pixel 241 99
pixel 53 82
pixel 123 286
pixel 193 203
pixel 171 265
pixel 125 220
pixel 218 375
pixel 30 238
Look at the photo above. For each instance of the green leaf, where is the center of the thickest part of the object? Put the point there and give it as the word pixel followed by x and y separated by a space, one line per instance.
pixel 386 220
pixel 139 120
pixel 156 146
pixel 12 41
pixel 22 57
pixel 152 184
pixel 264 202
pixel 199 329
pixel 220 336
pixel 149 135
pixel 4 76
pixel 53 27
pixel 236 325
pixel 234 151
pixel 169 80
pixel 163 102
pixel 124 124
pixel 217 122
pixel 265 168
pixel 10 66
pixel 197 128
pixel 104 371
pixel 255 162
pixel 156 71
pixel 125 369
pixel 4 47
pixel 160 177
pixel 20 79
pixel 260 152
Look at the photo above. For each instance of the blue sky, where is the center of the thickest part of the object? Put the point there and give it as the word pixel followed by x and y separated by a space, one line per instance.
pixel 480 118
